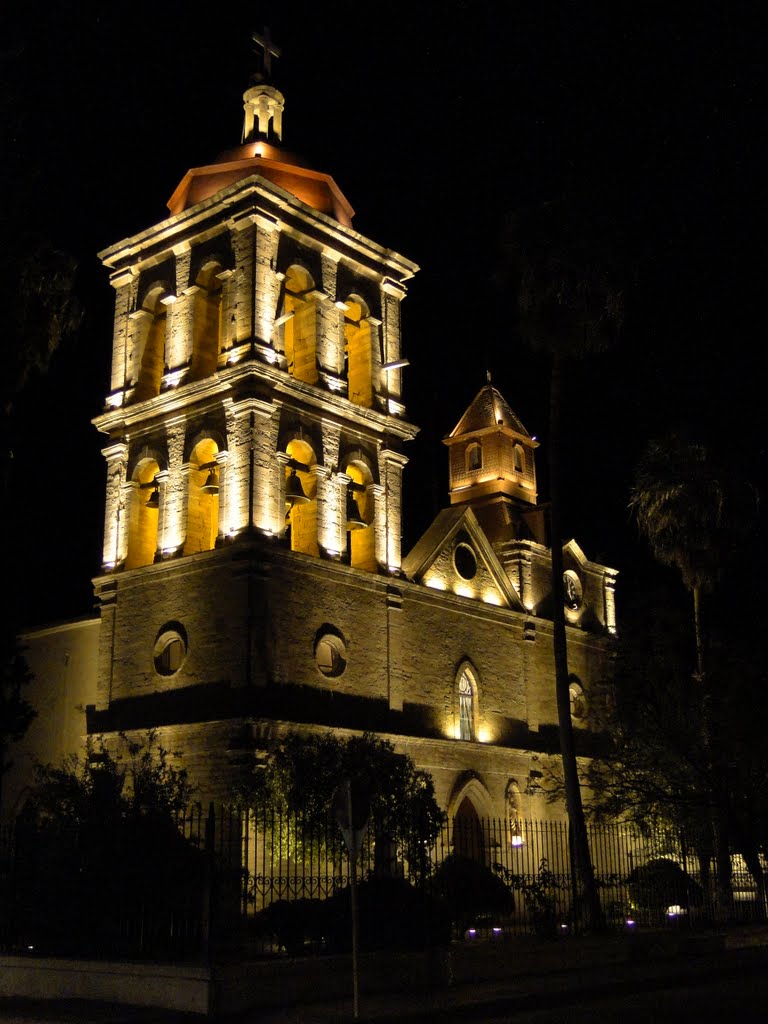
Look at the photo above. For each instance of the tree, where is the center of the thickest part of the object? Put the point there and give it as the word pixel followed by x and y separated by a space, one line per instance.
pixel 694 511
pixel 303 773
pixel 16 712
pixel 99 847
pixel 570 304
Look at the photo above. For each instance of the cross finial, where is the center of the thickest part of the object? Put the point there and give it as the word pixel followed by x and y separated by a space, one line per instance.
pixel 265 50
pixel 488 376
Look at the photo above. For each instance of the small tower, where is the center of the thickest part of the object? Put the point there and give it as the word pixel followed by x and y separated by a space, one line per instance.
pixel 492 467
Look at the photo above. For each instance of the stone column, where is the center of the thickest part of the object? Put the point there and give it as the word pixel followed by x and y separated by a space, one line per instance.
pixel 609 590
pixel 172 522
pixel 178 334
pixel 392 295
pixel 222 529
pixel 242 328
pixel 115 546
pixel 330 335
pixel 375 493
pixel 391 464
pixel 125 285
pixel 266 283
pixel 268 476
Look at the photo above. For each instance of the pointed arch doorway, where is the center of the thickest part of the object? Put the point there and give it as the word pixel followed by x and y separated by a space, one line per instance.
pixel 467 832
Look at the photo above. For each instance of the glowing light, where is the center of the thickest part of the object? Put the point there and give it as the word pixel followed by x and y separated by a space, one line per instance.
pixel 397 364
pixel 483 735
pixel 115 401
pixel 332 554
pixel 491 597
pixel 173 379
pixel 270 355
pixel 334 384
pixel 435 583
pixel 234 357
pixel 258 149
pixel 517 840
pixel 463 591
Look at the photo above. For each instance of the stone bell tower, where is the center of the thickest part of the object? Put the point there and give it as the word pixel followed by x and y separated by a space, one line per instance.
pixel 254 411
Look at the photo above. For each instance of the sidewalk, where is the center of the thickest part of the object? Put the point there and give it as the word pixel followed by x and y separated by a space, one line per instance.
pixel 545 975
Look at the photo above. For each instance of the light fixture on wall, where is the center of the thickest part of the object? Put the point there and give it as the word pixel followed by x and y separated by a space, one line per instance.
pixel 354 520
pixel 294 492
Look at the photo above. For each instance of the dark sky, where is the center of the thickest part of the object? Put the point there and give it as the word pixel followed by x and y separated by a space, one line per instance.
pixel 436 121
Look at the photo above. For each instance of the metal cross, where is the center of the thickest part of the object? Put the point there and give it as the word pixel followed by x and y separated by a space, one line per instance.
pixel 264 43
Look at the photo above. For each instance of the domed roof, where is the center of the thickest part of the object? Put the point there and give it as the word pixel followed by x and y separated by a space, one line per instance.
pixel 262 153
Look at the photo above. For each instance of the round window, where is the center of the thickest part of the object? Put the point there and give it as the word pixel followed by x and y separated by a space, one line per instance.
pixel 170 650
pixel 572 590
pixel 330 654
pixel 465 561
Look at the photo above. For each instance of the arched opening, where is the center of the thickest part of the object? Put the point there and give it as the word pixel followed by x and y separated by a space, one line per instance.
pixel 301 517
pixel 360 502
pixel 466 710
pixel 468 832
pixel 206 323
pixel 514 814
pixel 202 498
pixel 518 455
pixel 474 457
pixel 143 513
pixel 152 363
pixel 299 330
pixel 357 346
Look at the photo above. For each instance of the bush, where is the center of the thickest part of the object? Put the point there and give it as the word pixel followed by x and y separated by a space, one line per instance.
pixel 471 890
pixel 662 883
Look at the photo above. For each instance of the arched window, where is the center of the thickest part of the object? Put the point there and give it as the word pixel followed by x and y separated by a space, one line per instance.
pixel 357 346
pixel 143 512
pixel 362 550
pixel 474 457
pixel 514 814
pixel 467 699
pixel 299 329
pixel 206 323
pixel 518 455
pixel 152 344
pixel 202 498
pixel 578 700
pixel 301 515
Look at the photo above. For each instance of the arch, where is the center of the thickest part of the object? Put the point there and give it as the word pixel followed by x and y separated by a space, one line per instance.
pixel 299 324
pixel 466 703
pixel 143 517
pixel 301 518
pixel 357 348
pixel 362 541
pixel 518 458
pixel 513 812
pixel 469 804
pixel 152 345
pixel 206 322
pixel 202 498
pixel 578 700
pixel 474 456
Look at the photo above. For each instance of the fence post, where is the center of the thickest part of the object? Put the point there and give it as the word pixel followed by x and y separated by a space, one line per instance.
pixel 206 929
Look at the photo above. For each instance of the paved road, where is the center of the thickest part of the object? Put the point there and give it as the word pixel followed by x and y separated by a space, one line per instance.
pixel 729 986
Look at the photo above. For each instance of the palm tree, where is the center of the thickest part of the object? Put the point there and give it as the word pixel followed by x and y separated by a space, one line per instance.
pixel 691 509
pixel 678 499
pixel 569 306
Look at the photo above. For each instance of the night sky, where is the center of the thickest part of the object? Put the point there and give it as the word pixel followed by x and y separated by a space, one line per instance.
pixel 435 121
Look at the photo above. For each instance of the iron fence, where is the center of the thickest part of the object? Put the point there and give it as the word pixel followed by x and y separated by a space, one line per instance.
pixel 227 880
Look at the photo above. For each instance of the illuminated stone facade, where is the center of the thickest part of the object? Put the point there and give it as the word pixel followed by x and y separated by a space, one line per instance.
pixel 255 439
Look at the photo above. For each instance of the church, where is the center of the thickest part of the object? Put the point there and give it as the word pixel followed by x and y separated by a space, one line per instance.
pixel 252 580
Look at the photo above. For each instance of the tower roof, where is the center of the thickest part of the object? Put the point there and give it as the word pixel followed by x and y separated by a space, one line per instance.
pixel 261 152
pixel 488 409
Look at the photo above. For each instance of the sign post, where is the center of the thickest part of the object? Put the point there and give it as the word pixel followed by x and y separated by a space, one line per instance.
pixel 351 811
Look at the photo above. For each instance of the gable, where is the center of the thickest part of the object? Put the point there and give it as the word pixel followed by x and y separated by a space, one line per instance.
pixel 454 555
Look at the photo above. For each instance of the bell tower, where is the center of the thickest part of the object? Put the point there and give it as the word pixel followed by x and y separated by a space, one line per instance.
pixel 492 467
pixel 256 385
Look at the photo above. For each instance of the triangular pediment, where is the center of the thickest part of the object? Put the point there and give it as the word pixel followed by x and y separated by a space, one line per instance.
pixel 455 555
